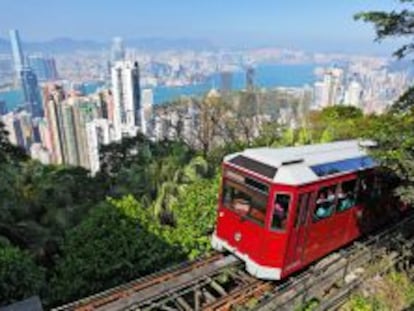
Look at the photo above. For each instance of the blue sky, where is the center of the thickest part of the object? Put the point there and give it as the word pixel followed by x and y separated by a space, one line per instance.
pixel 307 24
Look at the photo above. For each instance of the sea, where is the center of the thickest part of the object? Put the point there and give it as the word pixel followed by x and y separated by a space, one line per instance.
pixel 265 76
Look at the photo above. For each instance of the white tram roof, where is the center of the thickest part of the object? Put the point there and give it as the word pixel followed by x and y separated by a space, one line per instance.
pixel 304 164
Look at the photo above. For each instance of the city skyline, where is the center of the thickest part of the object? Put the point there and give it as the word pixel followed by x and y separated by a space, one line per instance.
pixel 318 25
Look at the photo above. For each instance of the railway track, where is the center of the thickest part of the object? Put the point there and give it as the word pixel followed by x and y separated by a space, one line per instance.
pixel 219 282
pixel 211 283
pixel 330 284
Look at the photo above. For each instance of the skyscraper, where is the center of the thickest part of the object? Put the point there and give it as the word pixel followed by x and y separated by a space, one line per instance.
pixel 20 129
pixel 127 98
pixel 70 146
pixel 329 91
pixel 353 94
pixel 31 92
pixel 12 126
pixel 17 51
pixel 51 69
pixel 53 96
pixel 43 67
pixel 117 50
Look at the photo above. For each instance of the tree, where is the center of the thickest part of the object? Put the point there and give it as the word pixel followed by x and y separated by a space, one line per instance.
pixel 394 134
pixel 394 24
pixel 9 152
pixel 115 243
pixel 171 186
pixel 211 110
pixel 195 212
pixel 20 278
pixel 395 131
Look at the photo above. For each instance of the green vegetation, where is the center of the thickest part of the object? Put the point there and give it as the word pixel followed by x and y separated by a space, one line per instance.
pixel 394 130
pixel 152 204
pixel 20 276
pixel 394 291
pixel 65 234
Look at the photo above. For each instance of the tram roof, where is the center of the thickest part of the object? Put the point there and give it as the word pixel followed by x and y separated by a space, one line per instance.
pixel 304 164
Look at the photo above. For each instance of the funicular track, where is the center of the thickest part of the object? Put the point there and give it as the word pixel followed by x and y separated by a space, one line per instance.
pixel 219 282
pixel 331 280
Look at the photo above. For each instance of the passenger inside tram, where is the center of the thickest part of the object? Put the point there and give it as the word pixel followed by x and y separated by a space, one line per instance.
pixel 346 195
pixel 280 212
pixel 325 204
pixel 247 203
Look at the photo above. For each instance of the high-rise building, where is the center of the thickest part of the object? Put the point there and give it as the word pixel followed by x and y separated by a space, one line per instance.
pixel 127 98
pixel 51 69
pixel 117 50
pixel 26 125
pixel 17 51
pixel 12 126
pixel 226 81
pixel 43 67
pixel 353 94
pixel 147 111
pixel 85 110
pixel 98 134
pixel 31 92
pixel 76 113
pixel 107 105
pixel 45 137
pixel 53 97
pixel 328 92
pixel 20 129
pixel 65 132
pixel 70 146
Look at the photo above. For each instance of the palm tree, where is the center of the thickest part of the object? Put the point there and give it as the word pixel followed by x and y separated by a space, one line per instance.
pixel 177 178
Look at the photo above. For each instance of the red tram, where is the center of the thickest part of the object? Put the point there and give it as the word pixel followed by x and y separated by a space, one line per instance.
pixel 281 209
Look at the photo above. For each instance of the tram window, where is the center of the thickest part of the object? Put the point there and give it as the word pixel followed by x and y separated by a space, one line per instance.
pixel 280 212
pixel 346 195
pixel 247 203
pixel 325 203
pixel 369 189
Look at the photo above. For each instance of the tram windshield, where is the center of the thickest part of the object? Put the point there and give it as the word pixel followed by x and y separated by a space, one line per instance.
pixel 245 200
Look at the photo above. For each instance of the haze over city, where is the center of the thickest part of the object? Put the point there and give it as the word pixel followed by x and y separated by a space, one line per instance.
pixel 320 25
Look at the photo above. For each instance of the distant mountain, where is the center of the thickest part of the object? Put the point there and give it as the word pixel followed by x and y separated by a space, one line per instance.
pixel 67 45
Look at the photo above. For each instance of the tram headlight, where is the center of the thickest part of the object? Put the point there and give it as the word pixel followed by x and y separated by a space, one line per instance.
pixel 237 236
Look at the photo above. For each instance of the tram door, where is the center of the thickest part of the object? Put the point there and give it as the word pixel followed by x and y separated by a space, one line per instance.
pixel 297 235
